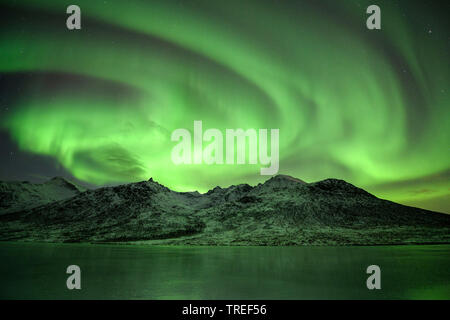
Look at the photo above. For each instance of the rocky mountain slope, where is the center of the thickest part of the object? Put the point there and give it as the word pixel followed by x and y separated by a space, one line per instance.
pixel 281 211
pixel 17 196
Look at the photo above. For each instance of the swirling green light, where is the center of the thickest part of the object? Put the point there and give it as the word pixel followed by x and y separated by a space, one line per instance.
pixel 366 106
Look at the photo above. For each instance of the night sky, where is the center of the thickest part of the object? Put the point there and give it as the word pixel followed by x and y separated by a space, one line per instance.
pixel 99 104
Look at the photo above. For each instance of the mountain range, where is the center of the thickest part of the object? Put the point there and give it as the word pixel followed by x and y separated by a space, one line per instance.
pixel 281 211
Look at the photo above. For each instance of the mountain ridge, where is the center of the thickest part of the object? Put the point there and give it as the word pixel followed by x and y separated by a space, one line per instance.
pixel 281 211
pixel 21 195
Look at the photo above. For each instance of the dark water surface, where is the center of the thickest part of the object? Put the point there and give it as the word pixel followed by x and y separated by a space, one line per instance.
pixel 38 271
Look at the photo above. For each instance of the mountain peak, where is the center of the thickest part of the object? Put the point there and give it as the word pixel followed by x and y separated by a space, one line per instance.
pixel 153 184
pixel 216 189
pixel 338 185
pixel 63 182
pixel 58 179
pixel 287 177
pixel 283 180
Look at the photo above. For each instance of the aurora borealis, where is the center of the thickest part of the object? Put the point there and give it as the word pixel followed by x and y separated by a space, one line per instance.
pixel 367 106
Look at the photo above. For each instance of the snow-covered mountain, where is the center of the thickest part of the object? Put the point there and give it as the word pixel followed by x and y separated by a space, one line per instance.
pixel 281 211
pixel 17 196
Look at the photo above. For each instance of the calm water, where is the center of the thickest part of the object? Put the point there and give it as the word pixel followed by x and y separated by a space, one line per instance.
pixel 37 271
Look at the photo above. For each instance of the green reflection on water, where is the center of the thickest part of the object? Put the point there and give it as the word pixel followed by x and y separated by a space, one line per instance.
pixel 37 271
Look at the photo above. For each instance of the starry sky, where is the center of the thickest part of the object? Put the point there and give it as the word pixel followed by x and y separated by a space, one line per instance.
pixel 98 105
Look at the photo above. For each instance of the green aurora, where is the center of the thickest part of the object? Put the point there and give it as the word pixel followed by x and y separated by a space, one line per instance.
pixel 367 106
